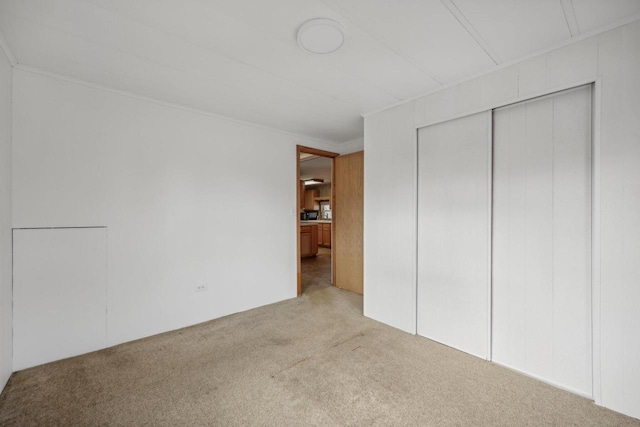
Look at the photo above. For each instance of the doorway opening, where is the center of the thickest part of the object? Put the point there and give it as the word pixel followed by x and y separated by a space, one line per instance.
pixel 316 191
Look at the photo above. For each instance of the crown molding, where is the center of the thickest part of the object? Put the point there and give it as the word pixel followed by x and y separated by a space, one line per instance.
pixel 352 146
pixel 79 82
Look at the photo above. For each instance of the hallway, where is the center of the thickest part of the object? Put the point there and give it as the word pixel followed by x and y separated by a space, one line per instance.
pixel 316 271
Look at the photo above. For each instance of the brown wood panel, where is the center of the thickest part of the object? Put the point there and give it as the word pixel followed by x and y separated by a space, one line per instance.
pixel 347 221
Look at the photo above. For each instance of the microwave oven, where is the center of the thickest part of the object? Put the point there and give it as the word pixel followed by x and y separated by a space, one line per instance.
pixel 309 216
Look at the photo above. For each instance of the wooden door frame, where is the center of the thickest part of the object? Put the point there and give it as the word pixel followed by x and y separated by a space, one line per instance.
pixel 332 156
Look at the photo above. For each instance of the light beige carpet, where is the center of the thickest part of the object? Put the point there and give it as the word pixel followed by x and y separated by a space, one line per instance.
pixel 314 360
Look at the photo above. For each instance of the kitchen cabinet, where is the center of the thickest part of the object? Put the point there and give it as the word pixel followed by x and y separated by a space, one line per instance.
pixel 301 195
pixel 308 240
pixel 326 235
pixel 309 199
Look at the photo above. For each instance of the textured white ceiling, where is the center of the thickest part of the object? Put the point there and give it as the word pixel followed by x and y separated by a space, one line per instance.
pixel 240 58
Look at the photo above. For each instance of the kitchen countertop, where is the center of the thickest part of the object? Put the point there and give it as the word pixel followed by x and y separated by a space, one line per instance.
pixel 320 221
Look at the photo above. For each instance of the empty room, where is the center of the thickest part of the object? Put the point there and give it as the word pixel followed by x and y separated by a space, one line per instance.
pixel 320 212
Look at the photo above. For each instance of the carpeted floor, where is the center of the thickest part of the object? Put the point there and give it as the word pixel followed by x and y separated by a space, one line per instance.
pixel 314 360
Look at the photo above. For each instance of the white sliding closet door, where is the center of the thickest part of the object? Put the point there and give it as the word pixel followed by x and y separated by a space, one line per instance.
pixel 542 239
pixel 453 233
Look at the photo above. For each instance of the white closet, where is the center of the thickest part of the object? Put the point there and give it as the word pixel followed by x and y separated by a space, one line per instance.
pixel 504 236
pixel 542 238
pixel 453 233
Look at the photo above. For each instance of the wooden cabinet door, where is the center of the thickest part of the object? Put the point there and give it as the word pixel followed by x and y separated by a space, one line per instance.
pixel 305 241
pixel 320 239
pixel 326 235
pixel 309 196
pixel 314 239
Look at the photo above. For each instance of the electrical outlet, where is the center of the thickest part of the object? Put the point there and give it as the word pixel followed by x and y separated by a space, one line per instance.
pixel 201 287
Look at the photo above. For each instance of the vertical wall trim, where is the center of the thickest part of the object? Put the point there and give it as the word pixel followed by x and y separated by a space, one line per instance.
pixel 490 236
pixel 106 290
pixel 596 96
pixel 415 227
pixel 12 299
pixel 416 224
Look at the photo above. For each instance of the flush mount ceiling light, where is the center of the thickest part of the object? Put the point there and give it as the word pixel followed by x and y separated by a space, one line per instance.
pixel 321 36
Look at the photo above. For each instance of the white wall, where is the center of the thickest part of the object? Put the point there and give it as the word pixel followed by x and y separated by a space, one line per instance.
pixel 178 190
pixel 390 235
pixel 68 319
pixel 390 164
pixel 6 313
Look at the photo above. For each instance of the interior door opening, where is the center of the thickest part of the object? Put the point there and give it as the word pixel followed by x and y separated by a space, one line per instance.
pixel 315 196
pixel 330 224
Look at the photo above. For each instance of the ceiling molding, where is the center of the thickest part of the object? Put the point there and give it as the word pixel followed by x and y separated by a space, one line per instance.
pixel 570 17
pixel 457 13
pixel 11 57
pixel 352 146
pixel 38 71
pixel 507 64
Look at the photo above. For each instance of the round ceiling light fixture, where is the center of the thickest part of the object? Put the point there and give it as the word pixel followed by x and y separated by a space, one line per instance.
pixel 321 36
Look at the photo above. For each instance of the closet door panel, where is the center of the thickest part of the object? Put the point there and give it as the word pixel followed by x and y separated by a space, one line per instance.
pixel 453 233
pixel 541 239
pixel 572 248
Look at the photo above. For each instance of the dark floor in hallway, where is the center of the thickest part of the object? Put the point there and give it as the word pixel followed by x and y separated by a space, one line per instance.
pixel 316 271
